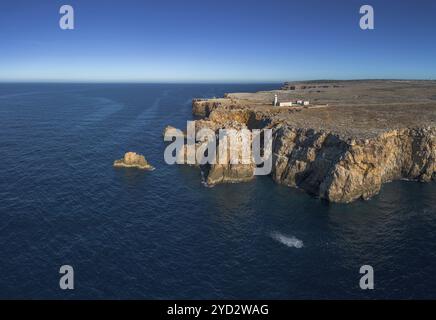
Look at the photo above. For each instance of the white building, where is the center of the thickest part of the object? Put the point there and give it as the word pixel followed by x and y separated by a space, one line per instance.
pixel 286 104
pixel 275 100
pixel 289 103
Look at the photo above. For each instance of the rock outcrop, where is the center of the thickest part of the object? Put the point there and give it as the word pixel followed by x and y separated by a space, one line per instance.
pixel 133 160
pixel 224 171
pixel 342 153
pixel 229 173
pixel 202 108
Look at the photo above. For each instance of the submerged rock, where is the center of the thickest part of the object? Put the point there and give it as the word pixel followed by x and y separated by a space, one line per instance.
pixel 133 160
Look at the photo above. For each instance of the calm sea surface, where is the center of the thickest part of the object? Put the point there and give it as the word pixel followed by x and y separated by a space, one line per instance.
pixel 162 234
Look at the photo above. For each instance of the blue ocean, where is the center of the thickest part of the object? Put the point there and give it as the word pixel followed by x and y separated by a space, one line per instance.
pixel 162 234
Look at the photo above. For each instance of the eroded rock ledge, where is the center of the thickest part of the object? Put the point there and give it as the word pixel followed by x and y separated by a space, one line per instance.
pixel 373 132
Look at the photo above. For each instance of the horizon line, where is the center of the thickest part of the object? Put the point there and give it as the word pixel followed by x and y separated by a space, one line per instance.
pixel 54 81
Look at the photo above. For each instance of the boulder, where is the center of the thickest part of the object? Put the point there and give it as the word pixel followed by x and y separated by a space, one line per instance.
pixel 133 160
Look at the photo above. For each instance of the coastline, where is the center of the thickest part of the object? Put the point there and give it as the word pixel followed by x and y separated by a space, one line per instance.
pixel 367 133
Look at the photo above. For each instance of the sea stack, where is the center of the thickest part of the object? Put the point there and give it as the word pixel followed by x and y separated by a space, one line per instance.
pixel 133 160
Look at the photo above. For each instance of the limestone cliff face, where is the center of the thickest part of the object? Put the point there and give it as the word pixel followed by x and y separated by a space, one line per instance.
pixel 224 113
pixel 226 172
pixel 334 168
pixel 304 158
pixel 202 108
pixel 223 171
pixel 229 173
pixel 342 171
pixel 323 163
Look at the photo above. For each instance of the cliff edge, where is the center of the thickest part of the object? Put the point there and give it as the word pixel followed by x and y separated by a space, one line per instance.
pixel 352 137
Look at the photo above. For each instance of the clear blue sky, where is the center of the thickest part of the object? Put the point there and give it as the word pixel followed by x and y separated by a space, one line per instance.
pixel 216 40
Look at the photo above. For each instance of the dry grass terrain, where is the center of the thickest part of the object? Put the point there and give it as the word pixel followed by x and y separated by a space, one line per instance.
pixel 360 108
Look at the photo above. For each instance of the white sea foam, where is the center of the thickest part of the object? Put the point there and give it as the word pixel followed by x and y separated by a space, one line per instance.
pixel 291 242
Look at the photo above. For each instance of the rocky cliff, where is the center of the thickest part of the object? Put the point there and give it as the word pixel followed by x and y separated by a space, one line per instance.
pixel 202 108
pixel 342 153
pixel 325 165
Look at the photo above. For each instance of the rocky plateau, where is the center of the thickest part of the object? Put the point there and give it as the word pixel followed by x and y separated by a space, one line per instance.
pixel 372 132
